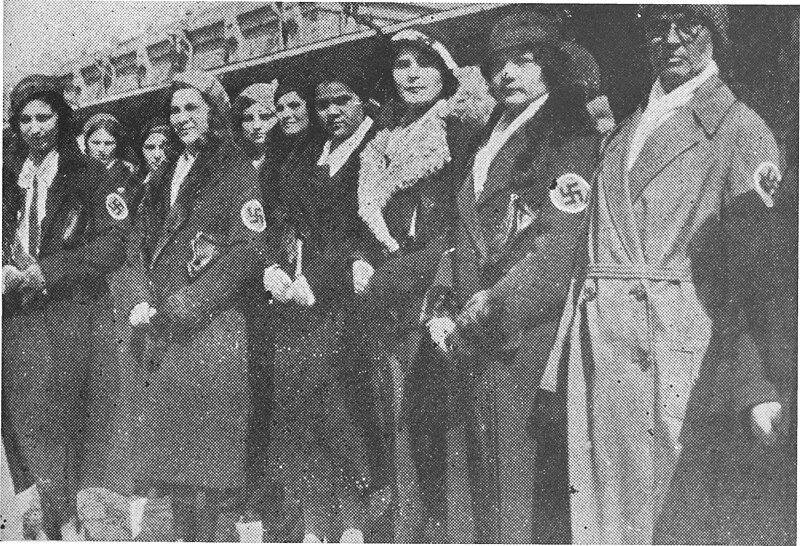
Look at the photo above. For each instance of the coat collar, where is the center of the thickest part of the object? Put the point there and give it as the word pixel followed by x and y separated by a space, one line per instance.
pixel 696 121
pixel 68 164
pixel 503 171
pixel 523 143
pixel 200 175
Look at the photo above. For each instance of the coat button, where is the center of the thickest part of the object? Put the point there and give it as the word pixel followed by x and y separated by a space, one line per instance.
pixel 589 292
pixel 638 292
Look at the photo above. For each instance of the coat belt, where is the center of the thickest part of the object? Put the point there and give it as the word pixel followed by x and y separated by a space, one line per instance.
pixel 638 271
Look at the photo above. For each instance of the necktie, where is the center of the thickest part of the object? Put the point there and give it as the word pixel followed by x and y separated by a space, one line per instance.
pixel 33 220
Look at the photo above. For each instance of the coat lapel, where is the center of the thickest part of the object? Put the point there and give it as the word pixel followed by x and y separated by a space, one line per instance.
pixel 616 192
pixel 522 144
pixel 179 212
pixel 55 196
pixel 468 213
pixel 668 142
pixel 691 124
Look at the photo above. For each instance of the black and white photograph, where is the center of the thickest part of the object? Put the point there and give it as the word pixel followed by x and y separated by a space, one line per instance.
pixel 399 272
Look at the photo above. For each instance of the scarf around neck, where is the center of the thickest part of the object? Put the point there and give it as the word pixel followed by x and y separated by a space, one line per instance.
pixel 396 159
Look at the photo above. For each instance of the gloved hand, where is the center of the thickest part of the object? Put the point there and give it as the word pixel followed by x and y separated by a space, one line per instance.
pixel 278 283
pixel 12 278
pixel 301 292
pixel 362 273
pixel 33 283
pixel 764 420
pixel 440 329
pixel 141 314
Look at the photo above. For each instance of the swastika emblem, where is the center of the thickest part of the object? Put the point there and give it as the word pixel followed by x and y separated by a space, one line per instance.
pixel 570 193
pixel 766 180
pixel 253 216
pixel 116 206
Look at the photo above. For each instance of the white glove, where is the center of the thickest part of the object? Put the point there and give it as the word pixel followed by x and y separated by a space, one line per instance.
pixel 141 314
pixel 277 282
pixel 440 329
pixel 362 273
pixel 301 292
pixel 12 278
pixel 764 420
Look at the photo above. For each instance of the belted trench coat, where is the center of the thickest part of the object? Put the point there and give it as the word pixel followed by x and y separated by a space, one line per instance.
pixel 671 273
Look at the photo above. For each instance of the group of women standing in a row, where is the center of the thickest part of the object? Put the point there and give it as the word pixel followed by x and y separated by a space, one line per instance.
pixel 221 308
pixel 264 283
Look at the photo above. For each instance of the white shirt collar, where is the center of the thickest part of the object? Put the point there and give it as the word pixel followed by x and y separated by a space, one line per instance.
pixel 524 116
pixel 661 106
pixel 338 157
pixel 498 139
pixel 687 88
pixel 182 168
pixel 45 172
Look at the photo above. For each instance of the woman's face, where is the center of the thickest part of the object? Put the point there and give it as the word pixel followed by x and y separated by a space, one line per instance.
pixel 292 113
pixel 154 150
pixel 38 125
pixel 516 78
pixel 189 115
pixel 102 146
pixel 256 123
pixel 417 77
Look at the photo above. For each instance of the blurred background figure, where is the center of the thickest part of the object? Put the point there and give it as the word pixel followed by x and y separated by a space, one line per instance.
pixel 107 142
pixel 253 117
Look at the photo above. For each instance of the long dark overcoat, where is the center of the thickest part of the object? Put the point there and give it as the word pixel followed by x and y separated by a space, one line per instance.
pixel 517 240
pixel 314 430
pixel 59 350
pixel 195 411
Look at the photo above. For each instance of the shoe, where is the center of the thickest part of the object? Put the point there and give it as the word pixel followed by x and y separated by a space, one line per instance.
pixel 352 536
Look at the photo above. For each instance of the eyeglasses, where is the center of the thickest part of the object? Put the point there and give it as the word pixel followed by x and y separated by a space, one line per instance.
pixel 687 27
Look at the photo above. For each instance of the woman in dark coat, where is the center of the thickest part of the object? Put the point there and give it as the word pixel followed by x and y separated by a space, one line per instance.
pixel 106 141
pixel 199 239
pixel 253 118
pixel 296 128
pixel 518 225
pixel 58 336
pixel 406 191
pixel 317 451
